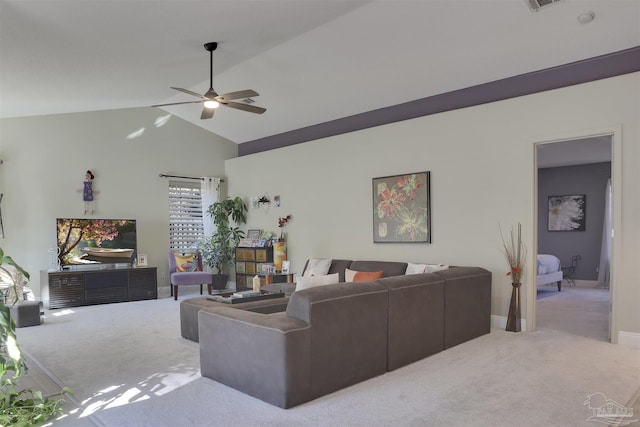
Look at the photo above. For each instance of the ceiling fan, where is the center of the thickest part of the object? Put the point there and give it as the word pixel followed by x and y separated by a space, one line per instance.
pixel 211 100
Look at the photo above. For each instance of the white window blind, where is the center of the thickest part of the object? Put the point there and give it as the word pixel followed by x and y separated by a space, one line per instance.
pixel 185 215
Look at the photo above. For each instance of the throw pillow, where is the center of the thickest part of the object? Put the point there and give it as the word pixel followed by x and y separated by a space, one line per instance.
pixel 313 281
pixel 317 267
pixel 416 268
pixel 432 268
pixel 187 261
pixel 362 276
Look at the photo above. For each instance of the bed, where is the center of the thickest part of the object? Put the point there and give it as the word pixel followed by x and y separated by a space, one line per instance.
pixel 549 270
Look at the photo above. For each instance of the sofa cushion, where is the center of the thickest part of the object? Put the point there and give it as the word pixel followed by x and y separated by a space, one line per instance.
pixel 262 355
pixel 190 307
pixel 362 276
pixel 193 278
pixel 467 290
pixel 317 267
pixel 313 281
pixel 389 268
pixel 416 268
pixel 416 317
pixel 348 333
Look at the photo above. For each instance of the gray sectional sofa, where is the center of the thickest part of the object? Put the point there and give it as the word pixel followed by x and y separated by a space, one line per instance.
pixel 334 336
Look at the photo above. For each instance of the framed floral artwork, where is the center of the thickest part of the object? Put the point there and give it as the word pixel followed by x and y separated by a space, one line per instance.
pixel 567 213
pixel 402 208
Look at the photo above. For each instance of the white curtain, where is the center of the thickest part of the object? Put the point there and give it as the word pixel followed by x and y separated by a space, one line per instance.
pixel 605 252
pixel 210 193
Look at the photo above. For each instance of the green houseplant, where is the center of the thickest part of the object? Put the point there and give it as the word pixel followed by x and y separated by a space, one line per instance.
pixel 18 407
pixel 218 250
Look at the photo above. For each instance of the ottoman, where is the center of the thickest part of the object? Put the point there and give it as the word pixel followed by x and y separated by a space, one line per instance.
pixel 27 313
pixel 189 309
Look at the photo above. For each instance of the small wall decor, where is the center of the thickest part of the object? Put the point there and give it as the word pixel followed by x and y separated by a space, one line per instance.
pixel 87 193
pixel 567 213
pixel 142 260
pixel 402 208
pixel 261 202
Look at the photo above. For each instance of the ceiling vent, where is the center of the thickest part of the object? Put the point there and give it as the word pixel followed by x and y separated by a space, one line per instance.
pixel 536 5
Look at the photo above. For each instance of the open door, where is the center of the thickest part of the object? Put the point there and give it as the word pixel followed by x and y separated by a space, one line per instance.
pixel 576 150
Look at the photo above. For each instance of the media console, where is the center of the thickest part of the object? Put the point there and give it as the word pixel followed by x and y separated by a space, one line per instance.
pixel 75 288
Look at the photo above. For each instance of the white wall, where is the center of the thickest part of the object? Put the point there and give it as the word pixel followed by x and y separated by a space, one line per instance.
pixel 45 159
pixel 482 169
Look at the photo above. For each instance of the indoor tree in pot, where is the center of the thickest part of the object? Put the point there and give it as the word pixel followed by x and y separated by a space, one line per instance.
pixel 18 406
pixel 219 249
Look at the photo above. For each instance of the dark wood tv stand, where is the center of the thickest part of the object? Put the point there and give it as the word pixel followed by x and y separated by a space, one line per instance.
pixel 73 288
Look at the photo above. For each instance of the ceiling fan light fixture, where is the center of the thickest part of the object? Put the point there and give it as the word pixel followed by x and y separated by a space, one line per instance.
pixel 211 100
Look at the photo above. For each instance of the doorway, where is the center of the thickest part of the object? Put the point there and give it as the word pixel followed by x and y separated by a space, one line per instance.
pixel 575 170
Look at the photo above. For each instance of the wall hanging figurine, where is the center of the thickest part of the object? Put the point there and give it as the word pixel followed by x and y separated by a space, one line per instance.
pixel 88 193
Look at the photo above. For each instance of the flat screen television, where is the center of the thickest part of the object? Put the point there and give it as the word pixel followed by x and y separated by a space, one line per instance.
pixel 91 242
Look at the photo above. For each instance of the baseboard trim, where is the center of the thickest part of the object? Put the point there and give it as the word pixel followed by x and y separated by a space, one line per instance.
pixel 629 339
pixel 500 322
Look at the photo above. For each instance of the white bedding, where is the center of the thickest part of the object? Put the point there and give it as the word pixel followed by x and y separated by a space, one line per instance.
pixel 548 264
pixel 549 270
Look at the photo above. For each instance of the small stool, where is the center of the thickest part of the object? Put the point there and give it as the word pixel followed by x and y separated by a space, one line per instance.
pixel 27 313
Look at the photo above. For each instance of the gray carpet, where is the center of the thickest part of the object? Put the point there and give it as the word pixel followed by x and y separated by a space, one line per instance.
pixel 38 379
pixel 128 366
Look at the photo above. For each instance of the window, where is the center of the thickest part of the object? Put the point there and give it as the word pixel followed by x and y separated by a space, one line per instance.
pixel 185 215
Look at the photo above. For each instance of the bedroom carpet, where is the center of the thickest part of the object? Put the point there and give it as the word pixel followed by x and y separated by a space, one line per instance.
pixel 128 366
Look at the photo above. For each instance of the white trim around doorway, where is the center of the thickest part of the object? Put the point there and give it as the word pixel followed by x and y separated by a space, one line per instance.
pixel 615 131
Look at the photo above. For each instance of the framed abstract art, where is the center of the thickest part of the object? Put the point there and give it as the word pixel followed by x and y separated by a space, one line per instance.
pixel 402 208
pixel 567 213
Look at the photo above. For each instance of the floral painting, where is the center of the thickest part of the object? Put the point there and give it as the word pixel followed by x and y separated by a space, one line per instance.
pixel 567 213
pixel 401 208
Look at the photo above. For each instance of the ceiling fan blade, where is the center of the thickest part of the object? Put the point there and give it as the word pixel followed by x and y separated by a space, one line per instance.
pixel 245 107
pixel 188 92
pixel 207 113
pixel 178 103
pixel 237 95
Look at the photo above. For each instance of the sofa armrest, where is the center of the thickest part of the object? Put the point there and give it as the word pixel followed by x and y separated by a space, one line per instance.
pixel 263 355
pixel 467 302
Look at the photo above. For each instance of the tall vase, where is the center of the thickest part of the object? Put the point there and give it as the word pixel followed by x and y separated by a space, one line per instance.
pixel 513 320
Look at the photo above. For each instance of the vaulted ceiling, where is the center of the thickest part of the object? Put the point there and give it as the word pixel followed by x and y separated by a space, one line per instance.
pixel 311 61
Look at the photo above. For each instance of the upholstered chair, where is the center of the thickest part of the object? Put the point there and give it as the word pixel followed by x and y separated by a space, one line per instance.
pixel 191 275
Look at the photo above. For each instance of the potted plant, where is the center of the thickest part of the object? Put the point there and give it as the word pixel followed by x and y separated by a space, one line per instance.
pixel 219 249
pixel 18 406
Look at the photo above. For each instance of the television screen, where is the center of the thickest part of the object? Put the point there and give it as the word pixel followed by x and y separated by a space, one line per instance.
pixel 96 241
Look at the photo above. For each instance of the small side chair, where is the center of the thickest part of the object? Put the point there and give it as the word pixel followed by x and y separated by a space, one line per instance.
pixel 192 277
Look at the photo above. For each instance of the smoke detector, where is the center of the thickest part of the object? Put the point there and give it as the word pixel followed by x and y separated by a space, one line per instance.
pixel 536 5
